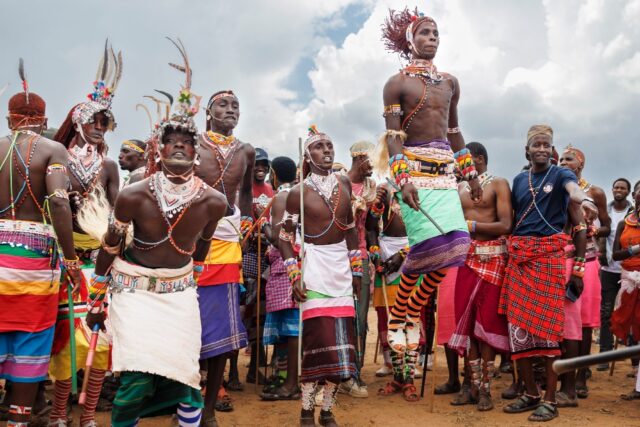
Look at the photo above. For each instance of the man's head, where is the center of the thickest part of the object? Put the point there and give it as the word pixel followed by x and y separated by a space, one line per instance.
pixel 90 121
pixel 131 155
pixel 621 189
pixel 573 159
pixel 479 155
pixel 261 168
pixel 27 112
pixel 318 152
pixel 360 161
pixel 283 171
pixel 539 144
pixel 177 149
pixel 411 34
pixel 223 111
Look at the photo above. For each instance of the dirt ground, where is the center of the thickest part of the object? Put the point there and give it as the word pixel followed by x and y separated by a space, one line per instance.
pixel 603 407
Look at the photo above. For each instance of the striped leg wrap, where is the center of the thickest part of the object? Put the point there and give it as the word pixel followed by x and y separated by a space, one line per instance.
pixel 421 296
pixel 188 416
pixel 398 312
pixel 96 378
pixel 61 388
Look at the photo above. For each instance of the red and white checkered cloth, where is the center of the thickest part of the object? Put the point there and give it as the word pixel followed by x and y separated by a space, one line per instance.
pixel 488 259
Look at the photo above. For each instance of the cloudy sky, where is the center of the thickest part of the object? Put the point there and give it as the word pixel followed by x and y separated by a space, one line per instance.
pixel 574 64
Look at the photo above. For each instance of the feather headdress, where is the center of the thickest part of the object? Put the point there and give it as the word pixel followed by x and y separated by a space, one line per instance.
pixel 314 136
pixel 25 84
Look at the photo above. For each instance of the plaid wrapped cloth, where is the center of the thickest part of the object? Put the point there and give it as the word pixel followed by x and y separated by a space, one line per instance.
pixel 488 259
pixel 250 263
pixel 278 289
pixel 533 292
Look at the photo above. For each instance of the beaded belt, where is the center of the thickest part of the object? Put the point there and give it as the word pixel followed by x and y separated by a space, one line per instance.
pixel 121 282
pixel 427 167
pixel 490 250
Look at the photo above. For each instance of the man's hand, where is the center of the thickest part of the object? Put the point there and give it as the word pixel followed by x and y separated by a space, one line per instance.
pixel 357 284
pixel 299 294
pixel 393 264
pixel 410 196
pixel 96 319
pixel 589 210
pixel 476 190
pixel 76 278
pixel 577 283
pixel 381 195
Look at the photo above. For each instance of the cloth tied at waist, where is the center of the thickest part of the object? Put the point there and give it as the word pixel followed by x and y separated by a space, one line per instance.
pixel 488 259
pixel 128 277
pixel 228 228
pixel 327 269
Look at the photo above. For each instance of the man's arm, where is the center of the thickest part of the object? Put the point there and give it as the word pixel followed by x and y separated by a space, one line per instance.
pixel 217 208
pixel 504 223
pixel 113 180
pixel 287 237
pixel 620 254
pixel 123 212
pixel 277 210
pixel 579 243
pixel 600 198
pixel 392 95
pixel 579 197
pixel 245 199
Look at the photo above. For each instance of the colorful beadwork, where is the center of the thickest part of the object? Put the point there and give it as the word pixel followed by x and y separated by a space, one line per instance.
pixel 355 258
pixel 465 164
pixel 392 110
pixel 293 270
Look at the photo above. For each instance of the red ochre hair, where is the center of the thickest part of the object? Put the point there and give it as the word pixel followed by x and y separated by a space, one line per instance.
pixel 67 132
pixel 395 27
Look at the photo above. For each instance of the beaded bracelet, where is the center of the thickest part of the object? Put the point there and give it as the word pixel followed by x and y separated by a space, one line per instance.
pixel 198 268
pixel 580 227
pixel 579 264
pixel 399 165
pixel 245 224
pixel 285 235
pixel 374 252
pixel 355 259
pixel 72 264
pixel 293 270
pixel 392 110
pixel 377 210
pixel 97 291
pixel 404 251
pixel 465 164
pixel 472 226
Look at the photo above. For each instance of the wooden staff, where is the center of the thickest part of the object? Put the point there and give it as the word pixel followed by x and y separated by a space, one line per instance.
pixel 255 224
pixel 613 364
pixel 430 334
pixel 432 392
pixel 87 370
pixel 258 283
pixel 72 338
pixel 301 156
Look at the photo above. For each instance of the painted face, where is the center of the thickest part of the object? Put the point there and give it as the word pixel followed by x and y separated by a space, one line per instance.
pixel 94 130
pixel 225 112
pixel 620 191
pixel 426 40
pixel 570 161
pixel 321 154
pixel 178 147
pixel 129 159
pixel 261 170
pixel 365 167
pixel 540 149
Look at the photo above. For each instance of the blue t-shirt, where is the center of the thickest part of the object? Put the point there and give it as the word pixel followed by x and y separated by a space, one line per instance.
pixel 552 201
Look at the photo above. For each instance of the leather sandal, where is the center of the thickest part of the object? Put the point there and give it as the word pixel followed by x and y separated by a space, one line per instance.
pixel 523 403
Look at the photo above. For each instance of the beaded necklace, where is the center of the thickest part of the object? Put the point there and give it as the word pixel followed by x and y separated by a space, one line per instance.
pixel 327 186
pixel 484 179
pixel 632 220
pixel 223 146
pixel 427 73
pixel 584 185
pixel 85 165
pixel 13 154
pixel 534 192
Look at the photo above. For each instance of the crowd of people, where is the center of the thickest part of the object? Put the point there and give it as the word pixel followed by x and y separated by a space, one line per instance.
pixel 150 286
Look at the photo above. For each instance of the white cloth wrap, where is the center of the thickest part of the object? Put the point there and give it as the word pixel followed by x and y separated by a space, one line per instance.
pixel 628 282
pixel 327 269
pixel 389 246
pixel 156 333
pixel 228 228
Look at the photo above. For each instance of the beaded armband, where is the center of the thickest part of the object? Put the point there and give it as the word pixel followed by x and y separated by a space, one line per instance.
pixel 293 270
pixel 399 165
pixel 355 258
pixel 285 235
pixel 374 252
pixel 72 264
pixel 60 193
pixel 198 268
pixel 97 291
pixel 245 224
pixel 56 167
pixel 118 227
pixel 377 210
pixel 404 251
pixel 471 225
pixel 578 267
pixel 580 227
pixel 453 130
pixel 393 110
pixel 465 164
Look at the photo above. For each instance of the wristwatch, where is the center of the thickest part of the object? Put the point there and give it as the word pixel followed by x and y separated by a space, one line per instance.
pixel 588 199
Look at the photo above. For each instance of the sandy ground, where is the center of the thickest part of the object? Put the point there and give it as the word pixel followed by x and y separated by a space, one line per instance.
pixel 603 407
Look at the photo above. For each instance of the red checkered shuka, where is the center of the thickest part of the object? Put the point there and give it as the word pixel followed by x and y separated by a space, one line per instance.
pixel 533 291
pixel 489 267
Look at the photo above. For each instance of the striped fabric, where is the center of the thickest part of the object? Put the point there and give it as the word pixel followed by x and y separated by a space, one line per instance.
pixel 328 349
pixel 318 305
pixel 222 264
pixel 29 285
pixel 24 356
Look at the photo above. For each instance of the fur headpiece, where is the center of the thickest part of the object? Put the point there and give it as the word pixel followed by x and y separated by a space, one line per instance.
pixel 399 28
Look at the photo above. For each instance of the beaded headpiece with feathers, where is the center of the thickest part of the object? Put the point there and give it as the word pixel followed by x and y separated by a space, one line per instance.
pixel 399 28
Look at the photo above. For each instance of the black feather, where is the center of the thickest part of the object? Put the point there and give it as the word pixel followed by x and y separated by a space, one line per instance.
pixel 168 95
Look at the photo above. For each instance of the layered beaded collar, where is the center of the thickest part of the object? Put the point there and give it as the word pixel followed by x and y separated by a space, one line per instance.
pixel 222 143
pixel 324 185
pixel 174 198
pixel 423 68
pixel 85 164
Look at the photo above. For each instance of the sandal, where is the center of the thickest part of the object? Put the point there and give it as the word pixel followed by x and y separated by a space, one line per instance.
pixel 447 388
pixel 524 403
pixel 582 391
pixel 410 393
pixel 223 403
pixel 546 411
pixel 412 331
pixel 564 401
pixel 234 385
pixel 390 388
pixel 464 397
pixel 484 400
pixel 273 382
pixel 631 396
pixel 281 394
pixel 396 337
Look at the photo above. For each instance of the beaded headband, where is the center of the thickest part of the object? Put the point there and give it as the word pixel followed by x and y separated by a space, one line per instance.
pixel 132 146
pixel 415 21
pixel 225 94
pixel 315 136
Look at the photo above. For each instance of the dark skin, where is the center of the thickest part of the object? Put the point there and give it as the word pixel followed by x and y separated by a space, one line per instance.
pixel 238 178
pixel 225 113
pixel 47 152
pixel 539 149
pixel 493 214
pixel 392 226
pixel 272 232
pixel 130 159
pixel 619 253
pixel 260 172
pixel 108 177
pixel 319 157
pixel 439 113
pixel 571 161
pixel 136 203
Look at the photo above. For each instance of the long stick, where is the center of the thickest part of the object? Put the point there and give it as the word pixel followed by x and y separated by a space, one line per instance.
pixel 613 364
pixel 301 162
pixel 87 370
pixel 259 282
pixel 375 354
pixel 256 222
pixel 562 366
pixel 429 346
pixel 358 342
pixel 432 393
pixel 72 339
